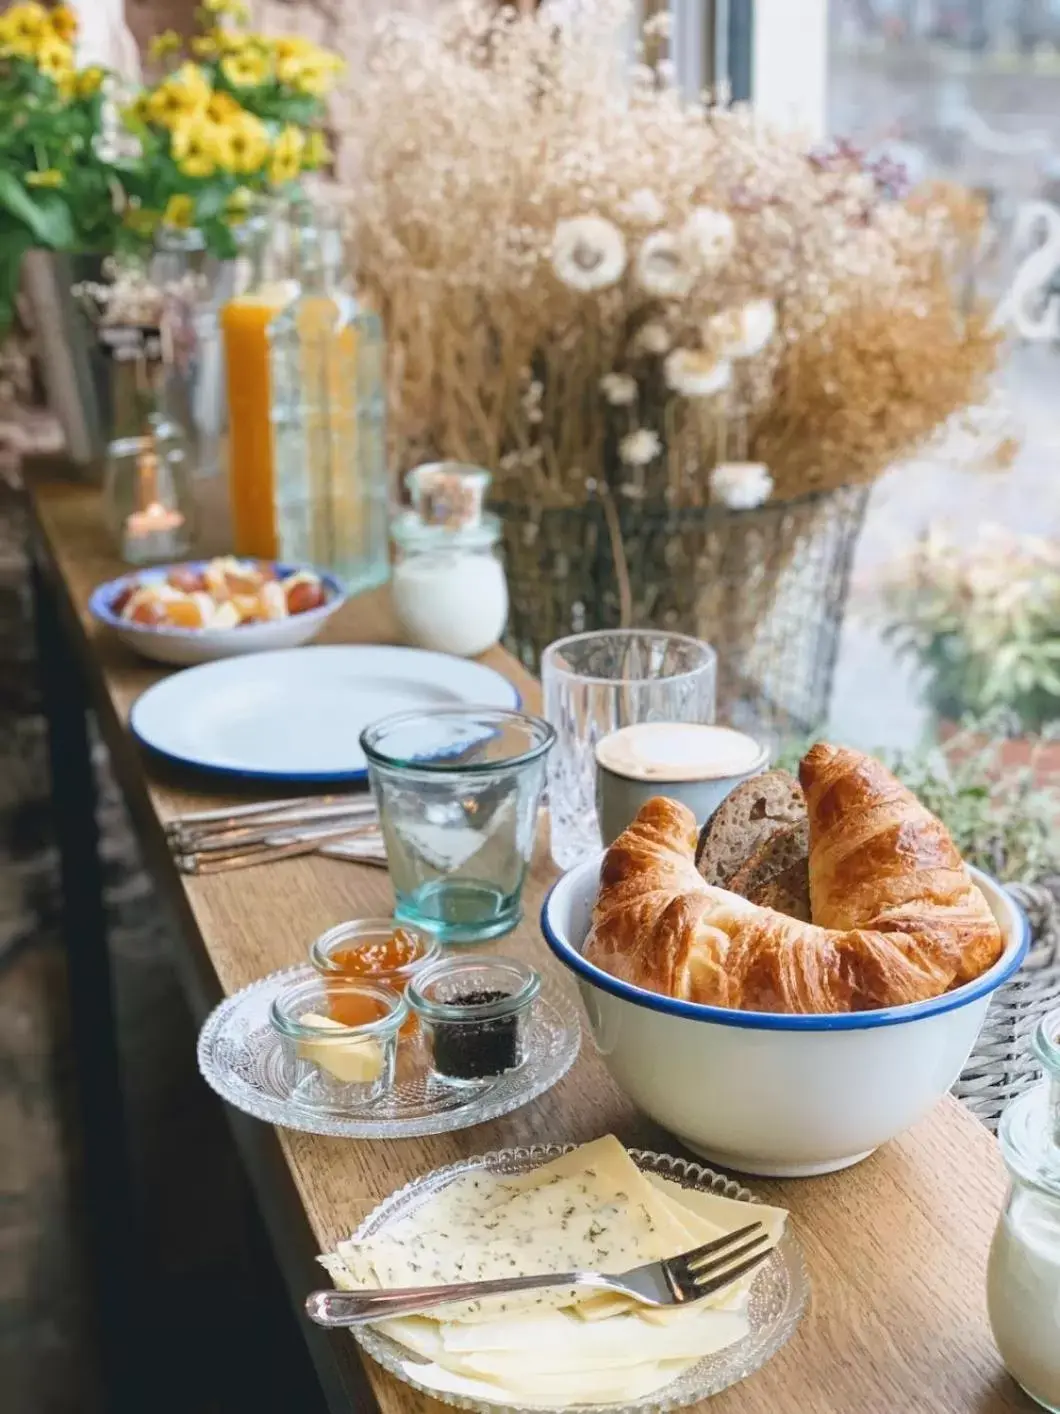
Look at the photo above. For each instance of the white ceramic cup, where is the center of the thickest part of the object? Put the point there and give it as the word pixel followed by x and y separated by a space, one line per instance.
pixel 696 764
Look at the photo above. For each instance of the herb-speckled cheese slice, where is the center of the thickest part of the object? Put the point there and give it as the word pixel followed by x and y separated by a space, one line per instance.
pixel 579 1222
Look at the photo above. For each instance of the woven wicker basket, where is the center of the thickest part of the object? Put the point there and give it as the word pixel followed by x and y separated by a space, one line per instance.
pixel 1002 1064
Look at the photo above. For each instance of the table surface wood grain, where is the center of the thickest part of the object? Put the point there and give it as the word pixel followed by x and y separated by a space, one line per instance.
pixel 896 1247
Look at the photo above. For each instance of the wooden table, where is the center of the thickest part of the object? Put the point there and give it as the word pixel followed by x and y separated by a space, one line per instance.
pixel 896 1247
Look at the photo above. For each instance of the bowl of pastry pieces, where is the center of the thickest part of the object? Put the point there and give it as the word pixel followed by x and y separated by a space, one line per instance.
pixel 799 981
pixel 202 610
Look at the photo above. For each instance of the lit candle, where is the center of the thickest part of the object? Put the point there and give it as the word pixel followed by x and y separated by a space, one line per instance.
pixel 156 531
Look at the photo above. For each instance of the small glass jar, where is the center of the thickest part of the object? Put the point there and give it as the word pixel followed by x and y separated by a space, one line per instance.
pixel 448 494
pixel 379 949
pixel 450 593
pixel 458 791
pixel 473 1013
pixel 1023 1274
pixel 339 1041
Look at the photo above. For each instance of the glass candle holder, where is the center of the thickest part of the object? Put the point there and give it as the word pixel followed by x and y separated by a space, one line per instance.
pixel 472 1013
pixel 381 950
pixel 339 1041
pixel 458 793
pixel 595 683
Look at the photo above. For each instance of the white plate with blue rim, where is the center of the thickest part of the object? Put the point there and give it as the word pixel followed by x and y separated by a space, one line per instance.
pixel 295 716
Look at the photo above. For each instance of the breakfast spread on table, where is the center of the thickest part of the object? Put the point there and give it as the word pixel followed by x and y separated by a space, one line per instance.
pixel 592 1209
pixel 225 593
pixel 897 919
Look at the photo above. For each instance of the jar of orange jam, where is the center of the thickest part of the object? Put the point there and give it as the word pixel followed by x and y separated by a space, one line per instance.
pixel 388 952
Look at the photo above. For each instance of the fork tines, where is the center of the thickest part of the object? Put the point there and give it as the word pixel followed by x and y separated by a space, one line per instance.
pixel 716 1264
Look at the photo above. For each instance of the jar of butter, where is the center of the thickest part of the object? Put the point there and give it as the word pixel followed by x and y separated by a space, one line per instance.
pixel 1023 1274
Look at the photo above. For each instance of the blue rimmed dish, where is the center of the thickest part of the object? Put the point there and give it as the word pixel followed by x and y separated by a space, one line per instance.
pixel 774 1094
pixel 185 647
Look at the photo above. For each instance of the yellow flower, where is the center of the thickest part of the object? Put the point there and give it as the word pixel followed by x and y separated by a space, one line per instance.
pixel 235 9
pixel 64 23
pixel 182 95
pixel 25 24
pixel 195 147
pixel 223 108
pixel 286 159
pixel 245 143
pixel 249 68
pixel 180 211
pixel 168 42
pixel 50 177
pixel 317 152
pixel 139 110
pixel 89 81
pixel 141 220
pixel 55 59
pixel 238 206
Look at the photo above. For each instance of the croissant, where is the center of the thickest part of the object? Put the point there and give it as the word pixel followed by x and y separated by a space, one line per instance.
pixel 897 918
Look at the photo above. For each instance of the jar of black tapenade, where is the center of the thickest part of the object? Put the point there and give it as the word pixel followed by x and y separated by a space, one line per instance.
pixel 473 1013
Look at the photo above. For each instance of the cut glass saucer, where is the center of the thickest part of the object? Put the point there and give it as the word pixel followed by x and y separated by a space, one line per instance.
pixel 241 1058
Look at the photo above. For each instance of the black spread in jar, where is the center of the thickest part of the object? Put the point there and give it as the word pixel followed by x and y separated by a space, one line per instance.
pixel 472 1050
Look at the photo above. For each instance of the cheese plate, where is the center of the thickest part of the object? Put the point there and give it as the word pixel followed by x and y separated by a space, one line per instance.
pixel 559 1208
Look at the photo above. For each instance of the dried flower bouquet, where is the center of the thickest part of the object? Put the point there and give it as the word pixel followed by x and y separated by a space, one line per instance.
pixel 586 280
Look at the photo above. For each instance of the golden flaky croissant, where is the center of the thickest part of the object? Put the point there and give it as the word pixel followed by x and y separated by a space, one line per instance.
pixel 896 916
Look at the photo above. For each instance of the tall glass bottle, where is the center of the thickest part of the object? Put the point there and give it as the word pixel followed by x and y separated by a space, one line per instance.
pixel 328 419
pixel 245 321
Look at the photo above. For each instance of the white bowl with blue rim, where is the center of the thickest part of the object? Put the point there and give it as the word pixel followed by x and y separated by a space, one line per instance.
pixel 185 647
pixel 779 1095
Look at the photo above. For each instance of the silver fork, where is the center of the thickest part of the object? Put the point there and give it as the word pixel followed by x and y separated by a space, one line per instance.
pixel 689 1277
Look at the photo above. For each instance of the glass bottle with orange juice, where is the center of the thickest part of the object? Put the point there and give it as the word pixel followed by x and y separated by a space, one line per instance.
pixel 245 321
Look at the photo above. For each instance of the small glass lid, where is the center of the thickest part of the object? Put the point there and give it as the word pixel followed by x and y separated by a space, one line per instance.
pixel 448 494
pixel 1029 1132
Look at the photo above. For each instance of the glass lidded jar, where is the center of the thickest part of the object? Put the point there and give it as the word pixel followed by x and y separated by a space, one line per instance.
pixel 473 1013
pixel 1023 1275
pixel 449 588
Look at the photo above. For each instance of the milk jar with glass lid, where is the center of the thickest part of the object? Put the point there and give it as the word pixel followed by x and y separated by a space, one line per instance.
pixel 1023 1275
pixel 449 589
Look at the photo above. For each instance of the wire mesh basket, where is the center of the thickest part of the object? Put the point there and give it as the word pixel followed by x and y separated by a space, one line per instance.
pixel 1002 1064
pixel 767 587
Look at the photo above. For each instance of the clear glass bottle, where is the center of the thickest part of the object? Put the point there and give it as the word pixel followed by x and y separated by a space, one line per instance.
pixel 1023 1275
pixel 328 420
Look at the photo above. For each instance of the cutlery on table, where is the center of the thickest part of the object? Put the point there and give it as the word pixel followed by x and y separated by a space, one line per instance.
pixel 689 1277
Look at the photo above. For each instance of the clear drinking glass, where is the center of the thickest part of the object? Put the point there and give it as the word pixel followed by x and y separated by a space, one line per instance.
pixel 458 792
pixel 595 683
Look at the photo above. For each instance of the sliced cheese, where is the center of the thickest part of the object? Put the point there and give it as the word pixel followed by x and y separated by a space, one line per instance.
pixel 514 1346
pixel 554 1391
pixel 356 1061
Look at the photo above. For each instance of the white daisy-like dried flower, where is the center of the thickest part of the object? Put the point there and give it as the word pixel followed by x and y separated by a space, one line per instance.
pixel 751 328
pixel 741 485
pixel 663 269
pixel 694 373
pixel 619 389
pixel 709 236
pixel 642 208
pixel 652 338
pixel 659 26
pixel 640 447
pixel 588 253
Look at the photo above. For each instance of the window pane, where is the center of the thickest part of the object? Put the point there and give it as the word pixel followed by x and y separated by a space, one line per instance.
pixel 969 91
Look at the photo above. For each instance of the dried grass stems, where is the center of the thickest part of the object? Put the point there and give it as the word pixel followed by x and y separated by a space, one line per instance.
pixel 587 281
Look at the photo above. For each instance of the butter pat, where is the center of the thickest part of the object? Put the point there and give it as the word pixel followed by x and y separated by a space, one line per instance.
pixel 353 1062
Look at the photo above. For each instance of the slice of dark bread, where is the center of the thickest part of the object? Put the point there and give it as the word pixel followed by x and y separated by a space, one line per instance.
pixel 777 875
pixel 744 821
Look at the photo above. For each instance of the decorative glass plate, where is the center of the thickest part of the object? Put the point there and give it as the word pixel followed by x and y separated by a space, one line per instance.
pixel 240 1057
pixel 778 1298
